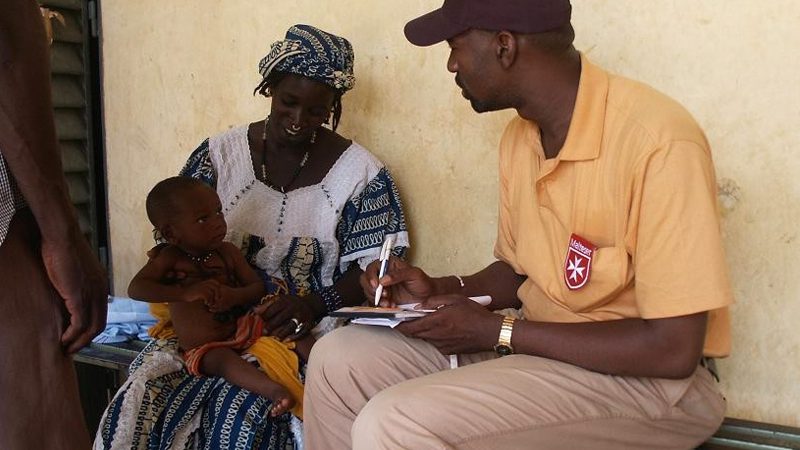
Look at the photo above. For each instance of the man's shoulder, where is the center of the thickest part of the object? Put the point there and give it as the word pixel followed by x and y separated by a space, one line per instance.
pixel 637 107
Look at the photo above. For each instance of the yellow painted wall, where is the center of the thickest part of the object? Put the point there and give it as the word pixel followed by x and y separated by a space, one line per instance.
pixel 177 71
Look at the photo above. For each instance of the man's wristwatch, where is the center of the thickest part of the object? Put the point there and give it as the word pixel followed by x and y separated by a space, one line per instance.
pixel 503 346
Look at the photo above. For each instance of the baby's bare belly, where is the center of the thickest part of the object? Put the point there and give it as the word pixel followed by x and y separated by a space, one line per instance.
pixel 195 325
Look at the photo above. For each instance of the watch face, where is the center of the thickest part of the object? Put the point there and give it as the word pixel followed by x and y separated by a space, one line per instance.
pixel 503 350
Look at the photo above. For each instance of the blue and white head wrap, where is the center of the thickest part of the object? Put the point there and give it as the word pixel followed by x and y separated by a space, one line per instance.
pixel 314 54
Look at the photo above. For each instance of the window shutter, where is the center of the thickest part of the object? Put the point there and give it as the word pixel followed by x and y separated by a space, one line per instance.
pixel 76 127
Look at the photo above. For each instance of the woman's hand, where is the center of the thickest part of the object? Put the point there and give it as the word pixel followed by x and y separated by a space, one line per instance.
pixel 402 283
pixel 459 325
pixel 289 317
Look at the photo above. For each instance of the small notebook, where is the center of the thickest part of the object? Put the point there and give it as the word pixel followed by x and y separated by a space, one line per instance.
pixel 391 317
pixel 356 312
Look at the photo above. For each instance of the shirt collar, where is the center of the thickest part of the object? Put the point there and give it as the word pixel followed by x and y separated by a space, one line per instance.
pixel 585 133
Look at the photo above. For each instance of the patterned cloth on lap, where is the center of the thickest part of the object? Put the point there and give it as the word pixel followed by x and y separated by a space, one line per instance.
pixel 161 406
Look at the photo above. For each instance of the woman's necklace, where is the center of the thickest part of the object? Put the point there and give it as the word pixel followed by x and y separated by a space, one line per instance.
pixel 264 177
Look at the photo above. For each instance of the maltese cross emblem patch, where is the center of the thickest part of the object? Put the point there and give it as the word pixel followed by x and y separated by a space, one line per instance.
pixel 578 264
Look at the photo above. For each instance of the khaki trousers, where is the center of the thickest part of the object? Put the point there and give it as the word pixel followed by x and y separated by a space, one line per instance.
pixel 40 406
pixel 372 388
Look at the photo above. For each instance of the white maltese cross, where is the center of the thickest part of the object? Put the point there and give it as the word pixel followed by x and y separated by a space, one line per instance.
pixel 576 268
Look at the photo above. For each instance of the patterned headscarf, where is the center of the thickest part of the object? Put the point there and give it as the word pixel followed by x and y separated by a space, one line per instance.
pixel 312 53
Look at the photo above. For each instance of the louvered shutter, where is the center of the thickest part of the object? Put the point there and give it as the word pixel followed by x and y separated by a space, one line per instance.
pixel 75 126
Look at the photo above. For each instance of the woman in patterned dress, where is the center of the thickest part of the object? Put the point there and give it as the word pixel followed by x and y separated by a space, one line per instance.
pixel 309 209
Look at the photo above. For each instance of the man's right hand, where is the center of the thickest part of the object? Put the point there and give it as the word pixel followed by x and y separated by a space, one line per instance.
pixel 402 283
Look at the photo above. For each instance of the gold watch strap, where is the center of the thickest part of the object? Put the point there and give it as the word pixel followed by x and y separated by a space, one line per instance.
pixel 505 331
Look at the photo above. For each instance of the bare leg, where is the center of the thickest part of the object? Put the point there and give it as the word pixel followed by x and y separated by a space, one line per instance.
pixel 226 363
pixel 38 386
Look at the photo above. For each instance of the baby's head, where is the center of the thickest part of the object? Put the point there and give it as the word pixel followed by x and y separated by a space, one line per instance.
pixel 187 213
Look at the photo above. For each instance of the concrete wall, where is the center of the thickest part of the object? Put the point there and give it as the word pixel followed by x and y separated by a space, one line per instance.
pixel 177 71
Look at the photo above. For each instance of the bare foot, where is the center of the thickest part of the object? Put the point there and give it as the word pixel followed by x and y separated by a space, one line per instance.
pixel 281 406
pixel 282 400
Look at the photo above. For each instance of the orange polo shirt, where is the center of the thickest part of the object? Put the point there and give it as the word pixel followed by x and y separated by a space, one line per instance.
pixel 635 180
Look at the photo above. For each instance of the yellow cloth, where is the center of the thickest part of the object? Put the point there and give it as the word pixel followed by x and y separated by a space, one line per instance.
pixel 282 365
pixel 635 178
pixel 276 358
pixel 163 329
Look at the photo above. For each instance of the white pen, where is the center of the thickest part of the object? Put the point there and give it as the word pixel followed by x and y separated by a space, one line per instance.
pixel 386 251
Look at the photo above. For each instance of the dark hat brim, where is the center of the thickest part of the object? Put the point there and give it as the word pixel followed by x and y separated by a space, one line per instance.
pixel 432 28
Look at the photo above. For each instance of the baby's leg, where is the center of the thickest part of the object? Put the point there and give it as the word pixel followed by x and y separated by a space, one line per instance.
pixel 226 363
pixel 303 347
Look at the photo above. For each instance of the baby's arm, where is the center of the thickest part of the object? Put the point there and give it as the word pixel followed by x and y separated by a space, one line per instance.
pixel 251 287
pixel 148 284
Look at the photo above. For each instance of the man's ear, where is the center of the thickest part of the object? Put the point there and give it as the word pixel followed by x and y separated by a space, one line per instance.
pixel 506 48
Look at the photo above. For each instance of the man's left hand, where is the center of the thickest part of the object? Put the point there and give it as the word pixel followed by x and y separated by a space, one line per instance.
pixel 459 325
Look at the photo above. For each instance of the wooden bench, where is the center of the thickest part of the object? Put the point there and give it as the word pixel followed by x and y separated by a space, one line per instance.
pixel 745 434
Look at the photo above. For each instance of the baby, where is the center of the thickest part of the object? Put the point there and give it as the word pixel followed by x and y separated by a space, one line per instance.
pixel 219 286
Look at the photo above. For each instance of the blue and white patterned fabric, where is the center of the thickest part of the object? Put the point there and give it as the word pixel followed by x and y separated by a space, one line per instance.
pixel 312 53
pixel 307 237
pixel 162 406
pixel 371 215
pixel 11 199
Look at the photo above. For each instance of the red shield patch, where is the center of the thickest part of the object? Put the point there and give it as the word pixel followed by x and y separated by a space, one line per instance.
pixel 578 265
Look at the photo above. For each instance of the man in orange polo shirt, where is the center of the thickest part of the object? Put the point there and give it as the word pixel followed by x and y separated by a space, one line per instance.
pixel 608 242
